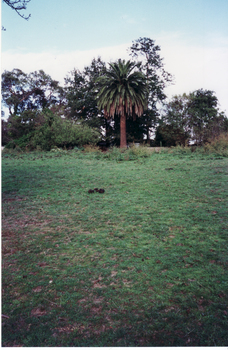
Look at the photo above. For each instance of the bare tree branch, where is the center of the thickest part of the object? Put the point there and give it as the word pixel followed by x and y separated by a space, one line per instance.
pixel 18 5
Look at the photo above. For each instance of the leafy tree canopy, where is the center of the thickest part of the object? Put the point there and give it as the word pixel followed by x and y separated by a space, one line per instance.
pixel 81 97
pixel 194 117
pixel 37 90
pixel 145 50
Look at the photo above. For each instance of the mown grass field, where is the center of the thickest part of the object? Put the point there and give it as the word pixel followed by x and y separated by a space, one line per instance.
pixel 143 264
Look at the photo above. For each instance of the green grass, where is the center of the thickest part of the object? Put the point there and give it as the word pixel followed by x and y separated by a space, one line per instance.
pixel 144 264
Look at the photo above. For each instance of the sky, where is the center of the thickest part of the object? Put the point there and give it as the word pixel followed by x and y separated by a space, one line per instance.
pixel 64 35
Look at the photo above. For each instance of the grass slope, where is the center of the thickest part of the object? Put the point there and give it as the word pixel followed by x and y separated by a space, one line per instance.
pixel 144 264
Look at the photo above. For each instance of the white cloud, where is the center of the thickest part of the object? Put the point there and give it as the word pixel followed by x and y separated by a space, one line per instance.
pixel 194 67
pixel 58 64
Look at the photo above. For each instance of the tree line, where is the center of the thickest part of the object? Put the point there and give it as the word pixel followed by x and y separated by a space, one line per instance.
pixel 119 102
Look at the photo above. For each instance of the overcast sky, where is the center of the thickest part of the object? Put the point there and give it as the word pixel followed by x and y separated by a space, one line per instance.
pixel 63 35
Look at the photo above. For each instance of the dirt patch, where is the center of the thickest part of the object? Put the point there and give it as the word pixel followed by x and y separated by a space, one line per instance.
pixel 15 224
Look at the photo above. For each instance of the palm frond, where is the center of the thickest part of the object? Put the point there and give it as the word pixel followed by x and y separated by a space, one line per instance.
pixel 122 90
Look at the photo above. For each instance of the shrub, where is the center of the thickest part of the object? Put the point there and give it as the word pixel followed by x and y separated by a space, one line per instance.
pixel 181 150
pixel 23 143
pixel 131 153
pixel 55 132
pixel 141 152
pixel 63 133
pixel 218 145
pixel 91 148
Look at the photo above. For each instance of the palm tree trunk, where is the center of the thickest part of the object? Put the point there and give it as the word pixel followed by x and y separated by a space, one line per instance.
pixel 123 134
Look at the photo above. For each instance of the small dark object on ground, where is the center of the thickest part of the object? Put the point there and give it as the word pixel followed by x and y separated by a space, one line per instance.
pixel 101 190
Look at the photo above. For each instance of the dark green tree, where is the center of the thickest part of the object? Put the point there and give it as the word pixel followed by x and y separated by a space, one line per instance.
pixel 26 95
pixel 205 119
pixel 145 50
pixel 81 97
pixel 168 135
pixel 174 125
pixel 34 91
pixel 194 117
pixel 122 91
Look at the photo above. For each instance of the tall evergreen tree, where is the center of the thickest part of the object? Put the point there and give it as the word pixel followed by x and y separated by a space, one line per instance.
pixel 145 50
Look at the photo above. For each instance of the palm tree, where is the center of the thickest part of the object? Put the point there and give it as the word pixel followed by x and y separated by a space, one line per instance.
pixel 122 91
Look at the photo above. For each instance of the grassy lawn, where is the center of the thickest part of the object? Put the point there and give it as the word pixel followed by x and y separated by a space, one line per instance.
pixel 142 264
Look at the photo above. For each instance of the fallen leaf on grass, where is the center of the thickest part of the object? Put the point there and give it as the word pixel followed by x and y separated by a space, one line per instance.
pixel 96 309
pixel 98 300
pixel 68 329
pixel 97 285
pixel 97 280
pixel 113 284
pixel 170 285
pixel 126 283
pixel 40 311
pixel 169 309
pixel 37 289
pixel 113 273
pixel 82 300
pixel 221 295
pixel 42 264
pixel 188 265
